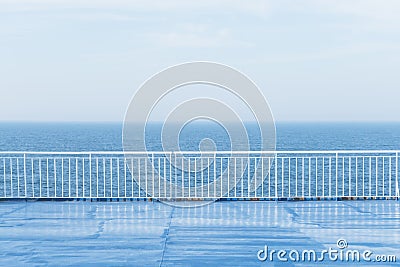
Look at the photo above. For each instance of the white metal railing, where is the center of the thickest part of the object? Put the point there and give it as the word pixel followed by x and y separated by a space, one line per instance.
pixel 194 175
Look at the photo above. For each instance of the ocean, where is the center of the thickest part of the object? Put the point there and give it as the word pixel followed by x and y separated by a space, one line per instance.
pixel 108 136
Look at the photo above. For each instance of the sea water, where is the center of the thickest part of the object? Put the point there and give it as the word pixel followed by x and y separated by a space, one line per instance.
pixel 108 136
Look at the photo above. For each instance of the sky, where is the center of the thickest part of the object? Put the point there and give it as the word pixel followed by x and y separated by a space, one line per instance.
pixel 81 60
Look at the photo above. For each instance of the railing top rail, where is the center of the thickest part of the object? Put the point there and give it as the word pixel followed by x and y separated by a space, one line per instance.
pixel 199 152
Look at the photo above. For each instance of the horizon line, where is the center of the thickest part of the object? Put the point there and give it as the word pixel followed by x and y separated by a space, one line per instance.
pixel 245 121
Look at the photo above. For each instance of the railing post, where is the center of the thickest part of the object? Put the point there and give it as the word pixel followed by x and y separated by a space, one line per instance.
pixel 90 175
pixel 152 173
pixel 215 174
pixel 33 180
pixel 337 175
pixel 55 176
pixel 25 175
pixel 83 176
pixel 276 176
pixel 4 178
pixel 62 177
pixel 118 178
pixel 170 174
pixel 124 176
pixel 397 176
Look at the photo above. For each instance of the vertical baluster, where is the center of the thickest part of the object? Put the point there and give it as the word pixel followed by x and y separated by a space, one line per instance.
pixel 118 178
pixel 397 175
pixel 25 180
pixel 62 177
pixel 390 176
pixel 125 177
pixel 221 193
pixel 383 176
pixel 350 185
pixel 139 184
pixel 4 178
pixel 248 175
pixel 97 177
pixel 76 178
pixel 323 176
pixel 111 177
pixel 283 176
pixel 195 178
pixel 330 177
pixel 175 174
pixel 363 176
pixel 269 176
pixel 302 177
pixel 276 176
pixel 146 177
pixel 242 172
pixel 55 176
pixel 40 177
pixel 289 180
pixel 11 178
pixel 337 174
pixel 104 177
pixel 159 176
pixel 171 173
pixel 47 177
pixel 83 177
pixel 183 176
pixel 376 177
pixel 343 161
pixel 69 177
pixel 262 176
pixel 132 173
pixel 356 176
pixel 234 174
pixel 165 176
pixel 316 176
pixel 309 176
pixel 296 185
pixel 90 175
pixel 18 185
pixel 33 177
pixel 152 174
pixel 215 174
pixel 370 176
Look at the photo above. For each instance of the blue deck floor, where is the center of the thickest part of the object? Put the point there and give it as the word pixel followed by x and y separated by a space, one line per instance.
pixel 226 233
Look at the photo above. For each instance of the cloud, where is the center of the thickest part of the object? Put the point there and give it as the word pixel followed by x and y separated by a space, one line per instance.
pixel 110 16
pixel 372 9
pixel 255 7
pixel 334 52
pixel 387 10
pixel 383 10
pixel 198 36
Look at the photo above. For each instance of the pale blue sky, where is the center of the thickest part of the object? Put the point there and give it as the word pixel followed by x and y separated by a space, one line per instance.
pixel 314 60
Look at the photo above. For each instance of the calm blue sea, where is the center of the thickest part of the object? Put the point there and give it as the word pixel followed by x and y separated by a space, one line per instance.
pixel 108 136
